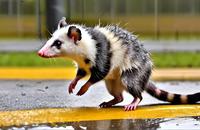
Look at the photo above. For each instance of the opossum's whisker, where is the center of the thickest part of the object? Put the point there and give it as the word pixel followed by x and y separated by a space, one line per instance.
pixel 54 59
pixel 99 22
pixel 50 61
pixel 49 32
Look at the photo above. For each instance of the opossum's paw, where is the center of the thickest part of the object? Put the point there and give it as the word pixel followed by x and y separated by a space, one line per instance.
pixel 110 103
pixel 133 105
pixel 83 89
pixel 105 105
pixel 130 107
pixel 72 86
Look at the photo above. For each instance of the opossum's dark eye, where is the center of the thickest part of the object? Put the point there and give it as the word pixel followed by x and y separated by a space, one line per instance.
pixel 57 44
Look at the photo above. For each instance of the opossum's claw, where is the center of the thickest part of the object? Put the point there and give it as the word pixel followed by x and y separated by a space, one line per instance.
pixel 72 85
pixel 130 107
pixel 71 88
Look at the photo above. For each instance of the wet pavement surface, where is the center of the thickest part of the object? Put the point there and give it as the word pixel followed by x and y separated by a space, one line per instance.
pixel 189 123
pixel 27 94
pixel 31 94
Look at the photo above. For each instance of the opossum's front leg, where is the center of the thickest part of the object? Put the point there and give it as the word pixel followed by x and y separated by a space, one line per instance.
pixel 84 88
pixel 80 74
pixel 96 75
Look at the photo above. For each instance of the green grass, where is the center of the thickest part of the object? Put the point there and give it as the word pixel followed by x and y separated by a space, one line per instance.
pixel 176 59
pixel 161 60
pixel 30 59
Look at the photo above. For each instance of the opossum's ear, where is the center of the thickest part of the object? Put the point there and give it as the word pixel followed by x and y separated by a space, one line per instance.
pixel 62 23
pixel 74 34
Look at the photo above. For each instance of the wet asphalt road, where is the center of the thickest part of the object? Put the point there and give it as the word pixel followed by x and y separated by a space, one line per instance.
pixel 26 94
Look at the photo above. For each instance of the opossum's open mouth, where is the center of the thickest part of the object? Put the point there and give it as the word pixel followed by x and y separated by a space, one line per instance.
pixel 48 56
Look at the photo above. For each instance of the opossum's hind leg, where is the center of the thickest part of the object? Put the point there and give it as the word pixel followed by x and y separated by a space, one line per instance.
pixel 137 94
pixel 115 88
pixel 135 82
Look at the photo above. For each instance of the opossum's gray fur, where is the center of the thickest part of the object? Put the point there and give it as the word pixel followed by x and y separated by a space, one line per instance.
pixel 135 79
pixel 135 48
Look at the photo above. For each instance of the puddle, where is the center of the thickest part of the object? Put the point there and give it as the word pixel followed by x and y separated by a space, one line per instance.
pixel 190 123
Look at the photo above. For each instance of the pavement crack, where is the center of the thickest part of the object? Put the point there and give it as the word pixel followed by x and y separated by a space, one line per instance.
pixel 41 90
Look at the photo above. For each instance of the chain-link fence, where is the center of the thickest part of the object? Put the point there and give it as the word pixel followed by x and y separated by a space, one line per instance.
pixel 148 18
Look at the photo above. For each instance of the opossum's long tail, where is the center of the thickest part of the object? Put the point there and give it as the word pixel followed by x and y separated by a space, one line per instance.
pixel 171 97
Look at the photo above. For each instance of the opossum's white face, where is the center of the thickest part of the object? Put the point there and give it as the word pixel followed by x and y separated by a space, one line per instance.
pixel 71 41
pixel 64 42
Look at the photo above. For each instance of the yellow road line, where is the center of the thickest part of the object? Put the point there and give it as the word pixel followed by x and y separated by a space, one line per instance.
pixel 59 115
pixel 69 73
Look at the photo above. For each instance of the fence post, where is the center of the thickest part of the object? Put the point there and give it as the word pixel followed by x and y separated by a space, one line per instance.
pixel 156 20
pixel 10 7
pixel 19 21
pixel 176 23
pixel 54 12
pixel 38 17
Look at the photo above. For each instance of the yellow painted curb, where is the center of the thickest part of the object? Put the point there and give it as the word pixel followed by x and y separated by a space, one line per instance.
pixel 37 73
pixel 69 73
pixel 176 74
pixel 53 115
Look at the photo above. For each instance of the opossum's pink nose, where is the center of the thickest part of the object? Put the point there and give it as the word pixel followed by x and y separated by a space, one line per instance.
pixel 41 53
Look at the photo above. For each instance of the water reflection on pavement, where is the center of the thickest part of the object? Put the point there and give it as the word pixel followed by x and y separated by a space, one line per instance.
pixel 188 123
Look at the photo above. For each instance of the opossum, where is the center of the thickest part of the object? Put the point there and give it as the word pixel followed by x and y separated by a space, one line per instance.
pixel 112 54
